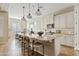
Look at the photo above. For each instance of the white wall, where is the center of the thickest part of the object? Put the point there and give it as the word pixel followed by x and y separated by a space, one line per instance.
pixel 15 24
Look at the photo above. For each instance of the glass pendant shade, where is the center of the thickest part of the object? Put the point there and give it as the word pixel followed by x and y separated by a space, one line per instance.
pixel 23 18
pixel 38 12
pixel 29 16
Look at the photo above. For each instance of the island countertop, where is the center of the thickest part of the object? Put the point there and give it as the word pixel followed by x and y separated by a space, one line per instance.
pixel 43 38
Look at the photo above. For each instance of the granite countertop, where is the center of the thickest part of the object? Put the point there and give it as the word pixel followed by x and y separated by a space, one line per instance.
pixel 45 37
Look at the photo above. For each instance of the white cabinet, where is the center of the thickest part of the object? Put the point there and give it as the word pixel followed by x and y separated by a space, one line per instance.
pixel 60 21
pixel 70 20
pixel 68 40
pixel 57 22
pixel 63 39
pixel 64 21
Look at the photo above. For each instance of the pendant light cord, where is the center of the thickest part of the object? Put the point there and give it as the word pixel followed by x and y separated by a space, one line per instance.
pixel 29 14
pixel 38 5
pixel 29 7
pixel 23 11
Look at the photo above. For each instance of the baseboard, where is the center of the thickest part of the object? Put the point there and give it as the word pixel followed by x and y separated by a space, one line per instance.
pixel 77 49
pixel 67 46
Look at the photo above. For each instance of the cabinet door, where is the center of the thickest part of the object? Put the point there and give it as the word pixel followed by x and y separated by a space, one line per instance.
pixel 70 20
pixel 68 40
pixel 57 22
pixel 62 21
pixel 63 40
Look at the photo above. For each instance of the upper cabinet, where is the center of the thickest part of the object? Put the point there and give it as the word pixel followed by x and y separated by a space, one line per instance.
pixel 70 20
pixel 64 21
pixel 57 22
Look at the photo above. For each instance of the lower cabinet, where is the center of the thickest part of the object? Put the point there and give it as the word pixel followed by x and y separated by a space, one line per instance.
pixel 68 40
pixel 48 48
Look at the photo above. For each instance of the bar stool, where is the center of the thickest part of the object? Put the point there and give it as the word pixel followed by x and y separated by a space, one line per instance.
pixel 37 45
pixel 26 44
pixel 20 37
pixel 16 36
pixel 21 40
pixel 22 44
pixel 31 44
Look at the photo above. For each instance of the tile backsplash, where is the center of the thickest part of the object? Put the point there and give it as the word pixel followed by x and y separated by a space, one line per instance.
pixel 65 31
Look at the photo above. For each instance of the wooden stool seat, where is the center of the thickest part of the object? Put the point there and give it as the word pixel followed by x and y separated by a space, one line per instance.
pixel 37 44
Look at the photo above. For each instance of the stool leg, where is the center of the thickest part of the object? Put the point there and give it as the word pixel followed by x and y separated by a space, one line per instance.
pixel 24 49
pixel 43 50
pixel 33 51
pixel 28 47
pixel 28 50
pixel 36 50
pixel 33 47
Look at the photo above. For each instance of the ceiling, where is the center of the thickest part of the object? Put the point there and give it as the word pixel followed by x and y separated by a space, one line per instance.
pixel 15 9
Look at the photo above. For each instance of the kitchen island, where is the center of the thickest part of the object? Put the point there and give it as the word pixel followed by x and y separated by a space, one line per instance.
pixel 50 42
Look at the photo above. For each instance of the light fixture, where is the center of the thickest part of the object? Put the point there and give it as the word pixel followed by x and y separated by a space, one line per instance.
pixel 38 12
pixel 23 18
pixel 29 16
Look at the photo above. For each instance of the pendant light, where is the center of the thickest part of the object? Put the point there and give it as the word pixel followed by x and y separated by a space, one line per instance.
pixel 23 18
pixel 29 16
pixel 53 25
pixel 38 12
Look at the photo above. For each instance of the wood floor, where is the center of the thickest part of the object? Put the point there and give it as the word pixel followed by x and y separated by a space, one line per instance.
pixel 66 51
pixel 13 48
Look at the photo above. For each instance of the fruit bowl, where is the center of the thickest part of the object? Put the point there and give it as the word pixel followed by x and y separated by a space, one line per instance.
pixel 40 33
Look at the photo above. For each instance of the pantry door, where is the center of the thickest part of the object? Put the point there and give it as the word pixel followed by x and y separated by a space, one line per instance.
pixel 3 27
